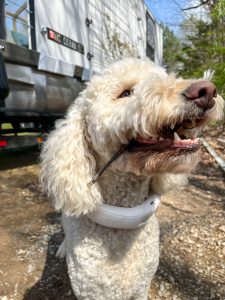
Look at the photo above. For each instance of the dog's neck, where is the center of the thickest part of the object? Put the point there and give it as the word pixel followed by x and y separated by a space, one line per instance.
pixel 124 189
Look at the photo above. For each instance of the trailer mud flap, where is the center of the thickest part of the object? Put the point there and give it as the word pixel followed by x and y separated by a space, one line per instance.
pixel 4 83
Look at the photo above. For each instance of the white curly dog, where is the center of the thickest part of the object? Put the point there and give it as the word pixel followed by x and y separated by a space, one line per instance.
pixel 130 136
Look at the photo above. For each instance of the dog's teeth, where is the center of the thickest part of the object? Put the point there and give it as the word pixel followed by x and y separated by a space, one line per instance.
pixel 172 126
pixel 176 137
pixel 161 139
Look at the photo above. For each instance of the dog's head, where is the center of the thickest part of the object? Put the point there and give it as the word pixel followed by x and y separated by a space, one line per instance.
pixel 135 103
pixel 158 115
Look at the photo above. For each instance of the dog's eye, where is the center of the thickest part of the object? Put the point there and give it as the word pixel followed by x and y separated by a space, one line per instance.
pixel 125 93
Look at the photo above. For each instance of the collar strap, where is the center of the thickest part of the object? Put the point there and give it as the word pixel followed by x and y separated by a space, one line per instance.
pixel 125 218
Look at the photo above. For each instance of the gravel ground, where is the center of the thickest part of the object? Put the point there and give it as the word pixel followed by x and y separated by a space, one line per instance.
pixel 192 263
pixel 216 139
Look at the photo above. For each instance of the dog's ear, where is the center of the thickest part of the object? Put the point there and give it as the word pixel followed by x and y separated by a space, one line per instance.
pixel 67 166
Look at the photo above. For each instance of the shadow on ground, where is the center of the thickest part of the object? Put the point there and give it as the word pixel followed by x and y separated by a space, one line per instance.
pixel 189 284
pixel 17 159
pixel 54 282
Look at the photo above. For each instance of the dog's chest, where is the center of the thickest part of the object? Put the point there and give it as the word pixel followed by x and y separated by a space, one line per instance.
pixel 124 190
pixel 121 257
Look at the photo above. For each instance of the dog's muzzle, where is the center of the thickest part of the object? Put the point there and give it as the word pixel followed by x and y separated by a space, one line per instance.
pixel 125 218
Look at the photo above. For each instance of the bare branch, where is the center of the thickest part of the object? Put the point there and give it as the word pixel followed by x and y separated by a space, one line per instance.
pixel 196 6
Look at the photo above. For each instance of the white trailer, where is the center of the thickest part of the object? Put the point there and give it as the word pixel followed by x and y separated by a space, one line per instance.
pixel 52 47
pixel 105 30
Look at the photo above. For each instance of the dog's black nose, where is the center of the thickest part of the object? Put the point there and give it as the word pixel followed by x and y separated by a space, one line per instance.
pixel 202 94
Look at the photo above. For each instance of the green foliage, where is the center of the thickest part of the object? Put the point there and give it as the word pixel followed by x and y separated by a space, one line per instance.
pixel 202 46
pixel 171 50
pixel 196 49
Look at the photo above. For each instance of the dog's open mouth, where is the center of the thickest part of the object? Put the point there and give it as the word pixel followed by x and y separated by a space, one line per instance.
pixel 177 136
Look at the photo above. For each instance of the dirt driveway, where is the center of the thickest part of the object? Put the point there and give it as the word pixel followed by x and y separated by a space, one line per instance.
pixel 192 263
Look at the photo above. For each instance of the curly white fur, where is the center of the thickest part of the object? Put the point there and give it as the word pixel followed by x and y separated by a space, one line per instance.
pixel 106 263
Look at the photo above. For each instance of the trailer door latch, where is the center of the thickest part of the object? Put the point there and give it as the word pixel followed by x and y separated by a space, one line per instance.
pixel 88 22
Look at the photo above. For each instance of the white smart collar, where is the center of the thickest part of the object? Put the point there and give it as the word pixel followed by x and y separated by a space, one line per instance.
pixel 125 218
